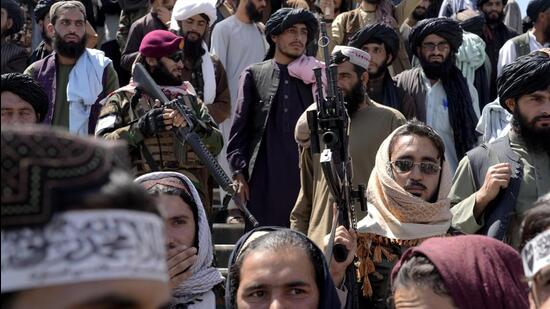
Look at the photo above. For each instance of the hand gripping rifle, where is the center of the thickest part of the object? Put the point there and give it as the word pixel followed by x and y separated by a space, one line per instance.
pixel 186 134
pixel 329 126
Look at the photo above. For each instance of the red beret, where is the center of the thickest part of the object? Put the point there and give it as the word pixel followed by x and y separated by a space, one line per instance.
pixel 160 43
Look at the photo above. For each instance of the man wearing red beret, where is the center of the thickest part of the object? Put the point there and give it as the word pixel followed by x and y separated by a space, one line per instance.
pixel 147 126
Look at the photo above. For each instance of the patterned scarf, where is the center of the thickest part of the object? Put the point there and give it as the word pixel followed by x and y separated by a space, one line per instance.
pixel 205 276
pixel 396 217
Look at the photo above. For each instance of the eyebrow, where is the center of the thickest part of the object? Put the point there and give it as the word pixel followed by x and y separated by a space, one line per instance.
pixel 291 284
pixel 179 217
pixel 112 300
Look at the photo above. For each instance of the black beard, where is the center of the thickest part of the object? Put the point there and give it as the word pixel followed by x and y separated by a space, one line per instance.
pixel 162 76
pixel 253 13
pixel 536 139
pixel 193 49
pixel 492 21
pixel 69 50
pixel 546 32
pixel 437 70
pixel 355 98
pixel 419 17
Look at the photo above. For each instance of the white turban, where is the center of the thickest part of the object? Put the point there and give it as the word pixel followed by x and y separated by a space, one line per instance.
pixel 183 9
pixel 356 56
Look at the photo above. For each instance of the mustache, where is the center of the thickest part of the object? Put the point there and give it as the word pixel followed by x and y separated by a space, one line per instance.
pixel 541 117
pixel 413 184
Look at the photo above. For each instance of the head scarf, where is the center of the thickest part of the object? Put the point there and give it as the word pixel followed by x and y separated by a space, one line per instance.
pixel 461 112
pixel 285 18
pixel 525 75
pixel 28 90
pixel 327 293
pixel 478 271
pixel 396 216
pixel 44 168
pixel 183 9
pixel 535 7
pixel 204 276
pixel 42 8
pixel 16 15
pixel 444 27
pixel 377 33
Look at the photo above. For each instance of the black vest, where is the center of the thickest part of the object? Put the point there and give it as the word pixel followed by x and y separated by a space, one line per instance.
pixel 266 81
pixel 498 213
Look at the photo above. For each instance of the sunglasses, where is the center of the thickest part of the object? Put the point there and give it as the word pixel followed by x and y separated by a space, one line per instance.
pixel 405 166
pixel 176 57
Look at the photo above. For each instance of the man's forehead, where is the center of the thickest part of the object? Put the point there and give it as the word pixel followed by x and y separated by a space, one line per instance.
pixel 299 26
pixel 434 38
pixel 12 100
pixel 70 13
pixel 198 17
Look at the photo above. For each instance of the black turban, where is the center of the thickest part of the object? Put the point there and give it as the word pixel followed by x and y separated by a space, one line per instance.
pixel 377 33
pixel 474 25
pixel 482 2
pixel 42 8
pixel 444 27
pixel 525 75
pixel 15 13
pixel 285 18
pixel 535 7
pixel 28 90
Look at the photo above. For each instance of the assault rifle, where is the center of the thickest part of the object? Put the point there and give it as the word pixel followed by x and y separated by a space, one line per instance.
pixel 187 135
pixel 329 126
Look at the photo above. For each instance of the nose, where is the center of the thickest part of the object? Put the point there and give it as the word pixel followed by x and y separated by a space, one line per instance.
pixel 278 303
pixel 415 173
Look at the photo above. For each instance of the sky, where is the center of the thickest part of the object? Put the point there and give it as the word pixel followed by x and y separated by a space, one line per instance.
pixel 523 6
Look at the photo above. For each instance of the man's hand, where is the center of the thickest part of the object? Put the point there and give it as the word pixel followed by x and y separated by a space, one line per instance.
pixel 348 238
pixel 152 122
pixel 242 187
pixel 172 118
pixel 180 260
pixel 497 177
pixel 164 15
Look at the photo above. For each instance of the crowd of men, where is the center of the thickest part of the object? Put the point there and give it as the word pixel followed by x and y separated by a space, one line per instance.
pixel 444 116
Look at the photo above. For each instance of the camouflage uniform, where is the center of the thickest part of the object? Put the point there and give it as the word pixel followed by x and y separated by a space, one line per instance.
pixel 118 120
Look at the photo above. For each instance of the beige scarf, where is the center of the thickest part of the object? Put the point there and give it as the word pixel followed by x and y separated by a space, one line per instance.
pixel 396 217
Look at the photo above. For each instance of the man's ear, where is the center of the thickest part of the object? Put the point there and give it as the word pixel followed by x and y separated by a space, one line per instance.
pixel 365 78
pixel 152 62
pixel 274 38
pixel 511 104
pixel 9 23
pixel 389 59
pixel 51 29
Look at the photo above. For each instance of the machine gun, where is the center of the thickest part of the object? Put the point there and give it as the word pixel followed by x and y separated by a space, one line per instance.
pixel 187 134
pixel 330 122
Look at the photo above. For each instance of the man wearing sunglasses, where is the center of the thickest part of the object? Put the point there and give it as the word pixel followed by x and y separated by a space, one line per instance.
pixel 147 126
pixel 407 203
pixel 443 98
